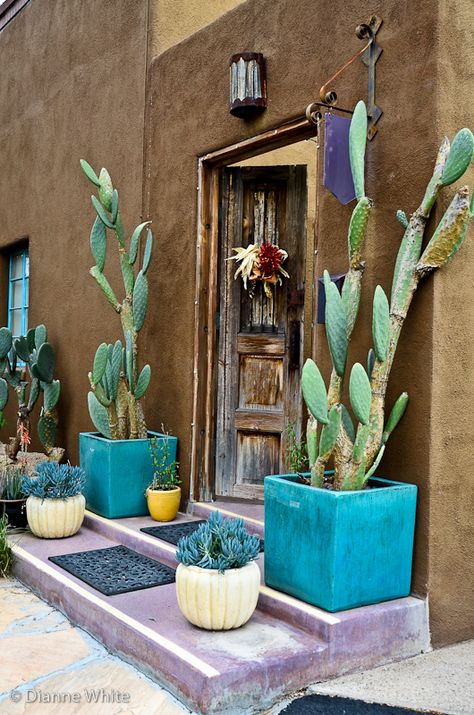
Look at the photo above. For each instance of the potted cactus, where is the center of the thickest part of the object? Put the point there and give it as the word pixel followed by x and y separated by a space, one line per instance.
pixel 364 525
pixel 217 579
pixel 116 458
pixel 12 498
pixel 27 366
pixel 55 505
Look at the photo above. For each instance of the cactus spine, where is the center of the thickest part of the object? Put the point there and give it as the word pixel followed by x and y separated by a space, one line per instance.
pixel 117 386
pixel 40 361
pixel 356 453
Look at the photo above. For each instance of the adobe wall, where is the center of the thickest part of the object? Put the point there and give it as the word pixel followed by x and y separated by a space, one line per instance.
pixel 188 116
pixel 73 86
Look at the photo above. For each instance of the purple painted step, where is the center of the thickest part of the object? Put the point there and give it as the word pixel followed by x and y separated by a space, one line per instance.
pixel 252 514
pixel 284 647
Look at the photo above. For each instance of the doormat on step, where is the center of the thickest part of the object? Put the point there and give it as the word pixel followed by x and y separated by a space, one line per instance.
pixel 330 705
pixel 115 569
pixel 172 533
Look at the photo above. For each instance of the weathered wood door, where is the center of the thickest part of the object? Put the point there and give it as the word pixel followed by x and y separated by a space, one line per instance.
pixel 260 340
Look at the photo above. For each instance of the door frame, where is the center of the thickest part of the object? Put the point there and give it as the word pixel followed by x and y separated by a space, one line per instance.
pixel 207 291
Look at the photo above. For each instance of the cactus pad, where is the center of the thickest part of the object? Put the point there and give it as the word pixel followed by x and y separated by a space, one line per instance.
pixel 148 250
pixel 143 382
pixel 46 362
pixel 89 172
pixel 99 416
pixel 329 432
pixel 314 391
pixel 357 142
pixel 459 157
pixel 3 393
pixel 5 342
pixel 398 410
pixel 105 189
pixel 380 324
pixel 101 212
pixel 134 241
pixel 98 243
pixel 51 395
pixel 336 326
pixel 360 393
pixel 357 230
pixel 140 301
pixel 402 218
pixel 100 362
pixel 47 429
pixel 312 440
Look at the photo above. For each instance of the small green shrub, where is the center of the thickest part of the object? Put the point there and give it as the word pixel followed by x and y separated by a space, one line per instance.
pixel 54 481
pixel 165 475
pixel 296 452
pixel 218 544
pixel 11 483
pixel 6 554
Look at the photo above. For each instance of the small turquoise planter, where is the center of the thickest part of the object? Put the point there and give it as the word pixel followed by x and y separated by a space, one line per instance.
pixel 118 472
pixel 339 550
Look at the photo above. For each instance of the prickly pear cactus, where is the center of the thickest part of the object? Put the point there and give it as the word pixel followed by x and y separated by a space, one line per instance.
pixel 331 436
pixel 117 386
pixel 39 357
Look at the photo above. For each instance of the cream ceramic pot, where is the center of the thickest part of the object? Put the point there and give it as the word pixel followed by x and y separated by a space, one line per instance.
pixel 55 518
pixel 217 601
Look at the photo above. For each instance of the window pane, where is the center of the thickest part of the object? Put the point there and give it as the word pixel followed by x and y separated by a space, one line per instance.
pixel 17 266
pixel 27 265
pixel 27 292
pixel 16 294
pixel 16 323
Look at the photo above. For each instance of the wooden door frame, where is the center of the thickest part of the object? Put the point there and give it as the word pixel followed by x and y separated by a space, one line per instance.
pixel 207 291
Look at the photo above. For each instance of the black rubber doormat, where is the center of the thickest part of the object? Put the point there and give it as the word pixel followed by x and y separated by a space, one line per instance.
pixel 115 569
pixel 329 705
pixel 172 533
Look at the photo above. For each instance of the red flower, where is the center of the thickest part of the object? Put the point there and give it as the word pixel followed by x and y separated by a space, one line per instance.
pixel 269 259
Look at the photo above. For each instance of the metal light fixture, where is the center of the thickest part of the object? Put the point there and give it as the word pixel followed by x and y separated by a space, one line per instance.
pixel 248 84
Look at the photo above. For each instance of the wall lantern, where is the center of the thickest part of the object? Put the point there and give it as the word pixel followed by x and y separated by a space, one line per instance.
pixel 248 84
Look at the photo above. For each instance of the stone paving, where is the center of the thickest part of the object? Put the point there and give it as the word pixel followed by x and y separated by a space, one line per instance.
pixel 48 666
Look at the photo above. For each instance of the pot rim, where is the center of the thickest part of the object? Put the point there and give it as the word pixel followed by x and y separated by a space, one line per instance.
pixel 200 569
pixel 162 491
pixel 56 499
pixel 382 485
pixel 13 501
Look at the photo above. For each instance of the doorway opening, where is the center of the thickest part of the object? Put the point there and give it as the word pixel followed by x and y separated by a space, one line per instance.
pixel 250 347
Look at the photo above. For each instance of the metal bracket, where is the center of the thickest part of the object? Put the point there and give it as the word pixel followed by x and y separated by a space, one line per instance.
pixel 369 55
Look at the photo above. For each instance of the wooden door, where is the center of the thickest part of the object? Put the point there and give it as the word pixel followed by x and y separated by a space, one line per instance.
pixel 260 340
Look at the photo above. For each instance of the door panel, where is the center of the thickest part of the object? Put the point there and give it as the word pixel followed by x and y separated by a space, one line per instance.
pixel 260 340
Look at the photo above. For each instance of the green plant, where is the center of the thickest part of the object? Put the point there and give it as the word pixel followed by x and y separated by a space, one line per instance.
pixel 165 475
pixel 6 554
pixel 218 544
pixel 11 483
pixel 116 385
pixel 30 382
pixel 296 456
pixel 54 481
pixel 356 451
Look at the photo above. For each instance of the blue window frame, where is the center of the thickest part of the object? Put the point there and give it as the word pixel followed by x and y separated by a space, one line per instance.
pixel 18 289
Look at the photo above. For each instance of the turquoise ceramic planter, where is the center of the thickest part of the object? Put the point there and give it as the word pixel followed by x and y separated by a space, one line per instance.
pixel 118 472
pixel 339 550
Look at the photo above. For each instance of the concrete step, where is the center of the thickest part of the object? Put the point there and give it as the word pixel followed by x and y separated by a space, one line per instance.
pixel 285 646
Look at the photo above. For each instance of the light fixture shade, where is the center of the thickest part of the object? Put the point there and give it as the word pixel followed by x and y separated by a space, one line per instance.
pixel 248 84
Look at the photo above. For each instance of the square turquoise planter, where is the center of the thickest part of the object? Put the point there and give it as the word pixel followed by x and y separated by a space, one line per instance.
pixel 118 472
pixel 339 550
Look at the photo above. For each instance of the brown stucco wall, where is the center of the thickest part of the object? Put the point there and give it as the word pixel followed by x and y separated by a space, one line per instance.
pixel 451 535
pixel 72 86
pixel 304 43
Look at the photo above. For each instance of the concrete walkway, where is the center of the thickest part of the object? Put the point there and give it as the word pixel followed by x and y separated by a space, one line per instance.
pixel 49 666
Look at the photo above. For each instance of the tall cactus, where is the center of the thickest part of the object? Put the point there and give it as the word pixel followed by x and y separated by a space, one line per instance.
pixel 116 385
pixel 356 452
pixel 40 361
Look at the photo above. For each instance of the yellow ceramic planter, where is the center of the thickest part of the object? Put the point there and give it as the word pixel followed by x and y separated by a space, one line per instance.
pixel 55 518
pixel 163 505
pixel 217 601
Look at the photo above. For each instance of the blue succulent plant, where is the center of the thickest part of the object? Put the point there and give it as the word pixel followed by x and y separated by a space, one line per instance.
pixel 218 544
pixel 54 481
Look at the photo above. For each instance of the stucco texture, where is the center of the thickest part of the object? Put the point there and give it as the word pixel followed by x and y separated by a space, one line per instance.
pixel 188 116
pixel 74 88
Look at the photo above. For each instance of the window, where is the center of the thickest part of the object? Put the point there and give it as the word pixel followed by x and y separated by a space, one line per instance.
pixel 18 280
